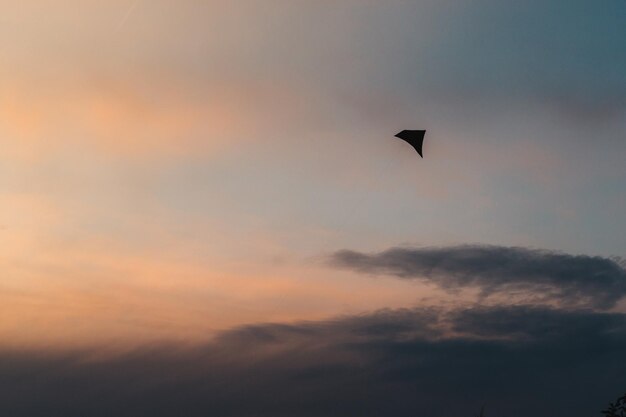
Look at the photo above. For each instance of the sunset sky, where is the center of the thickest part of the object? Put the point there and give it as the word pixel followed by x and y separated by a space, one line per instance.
pixel 211 175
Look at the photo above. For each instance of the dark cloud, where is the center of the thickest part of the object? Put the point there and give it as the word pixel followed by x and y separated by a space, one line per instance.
pixel 521 361
pixel 569 279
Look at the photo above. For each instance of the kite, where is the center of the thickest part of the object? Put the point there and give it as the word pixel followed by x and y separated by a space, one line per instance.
pixel 415 138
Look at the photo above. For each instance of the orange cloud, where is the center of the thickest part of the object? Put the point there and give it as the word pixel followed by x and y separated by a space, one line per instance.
pixel 63 286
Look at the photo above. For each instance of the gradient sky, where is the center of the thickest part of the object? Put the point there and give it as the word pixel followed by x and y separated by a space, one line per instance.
pixel 171 170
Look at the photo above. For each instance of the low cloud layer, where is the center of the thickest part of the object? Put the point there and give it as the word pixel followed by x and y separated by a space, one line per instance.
pixel 548 276
pixel 519 361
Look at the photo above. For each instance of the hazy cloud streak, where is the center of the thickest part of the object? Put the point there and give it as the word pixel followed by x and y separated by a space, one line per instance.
pixel 569 279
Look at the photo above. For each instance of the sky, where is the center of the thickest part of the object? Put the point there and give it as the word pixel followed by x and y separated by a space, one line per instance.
pixel 202 201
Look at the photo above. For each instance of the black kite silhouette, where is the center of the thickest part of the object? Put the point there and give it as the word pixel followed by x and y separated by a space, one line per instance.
pixel 415 138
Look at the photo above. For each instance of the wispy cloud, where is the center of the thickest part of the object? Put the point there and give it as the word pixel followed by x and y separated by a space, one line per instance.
pixel 129 12
pixel 569 279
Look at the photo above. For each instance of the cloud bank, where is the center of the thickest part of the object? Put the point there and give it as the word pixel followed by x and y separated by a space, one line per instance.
pixel 521 361
pixel 569 279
